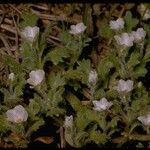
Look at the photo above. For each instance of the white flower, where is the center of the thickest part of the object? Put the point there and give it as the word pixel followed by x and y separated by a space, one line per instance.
pixel 30 33
pixel 11 76
pixel 141 10
pixel 101 105
pixel 145 119
pixel 124 39
pixel 92 77
pixel 125 86
pixel 77 29
pixel 68 121
pixel 138 35
pixel 17 114
pixel 118 24
pixel 36 77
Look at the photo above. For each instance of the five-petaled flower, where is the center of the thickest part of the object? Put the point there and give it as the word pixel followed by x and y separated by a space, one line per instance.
pixel 101 105
pixel 77 29
pixel 145 119
pixel 124 39
pixel 116 25
pixel 30 33
pixel 36 77
pixel 138 35
pixel 124 86
pixel 17 115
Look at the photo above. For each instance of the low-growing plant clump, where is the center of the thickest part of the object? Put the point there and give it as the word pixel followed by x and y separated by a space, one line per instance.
pixel 90 98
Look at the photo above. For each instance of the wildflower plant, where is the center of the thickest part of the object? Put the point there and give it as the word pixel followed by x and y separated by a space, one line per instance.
pixel 117 102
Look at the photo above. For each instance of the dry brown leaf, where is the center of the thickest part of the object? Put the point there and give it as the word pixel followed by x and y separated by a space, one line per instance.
pixel 45 139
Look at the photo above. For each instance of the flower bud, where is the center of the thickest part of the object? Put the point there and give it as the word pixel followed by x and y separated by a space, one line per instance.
pixel 93 77
pixel 68 121
pixel 11 76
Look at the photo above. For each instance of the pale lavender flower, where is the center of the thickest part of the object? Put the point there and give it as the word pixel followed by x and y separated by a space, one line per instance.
pixel 30 33
pixel 36 77
pixel 101 105
pixel 125 86
pixel 124 39
pixel 77 29
pixel 138 35
pixel 118 24
pixel 17 115
pixel 145 119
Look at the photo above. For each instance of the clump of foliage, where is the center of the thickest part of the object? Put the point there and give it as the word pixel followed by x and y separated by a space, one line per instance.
pixel 66 74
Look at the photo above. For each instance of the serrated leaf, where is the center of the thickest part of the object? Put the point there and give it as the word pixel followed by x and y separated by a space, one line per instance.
pixel 134 60
pixel 33 108
pixel 3 124
pixel 105 31
pixel 56 96
pixel 98 137
pixel 130 22
pixel 147 54
pixel 84 69
pixel 35 126
pixel 139 71
pixel 65 37
pixel 104 67
pixel 43 38
pixel 12 63
pixel 72 74
pixel 56 80
pixel 29 56
pixel 29 19
pixel 57 55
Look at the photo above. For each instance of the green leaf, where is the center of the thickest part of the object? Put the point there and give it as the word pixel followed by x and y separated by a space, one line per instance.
pixel 56 96
pixel 139 71
pixel 84 69
pixel 65 37
pixel 99 93
pixel 55 111
pixel 147 29
pixel 33 108
pixel 57 55
pixel 3 124
pixel 104 67
pixel 56 80
pixel 29 56
pixel 29 19
pixel 134 60
pixel 105 31
pixel 147 54
pixel 35 126
pixel 12 63
pixel 98 137
pixel 43 39
pixel 130 22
